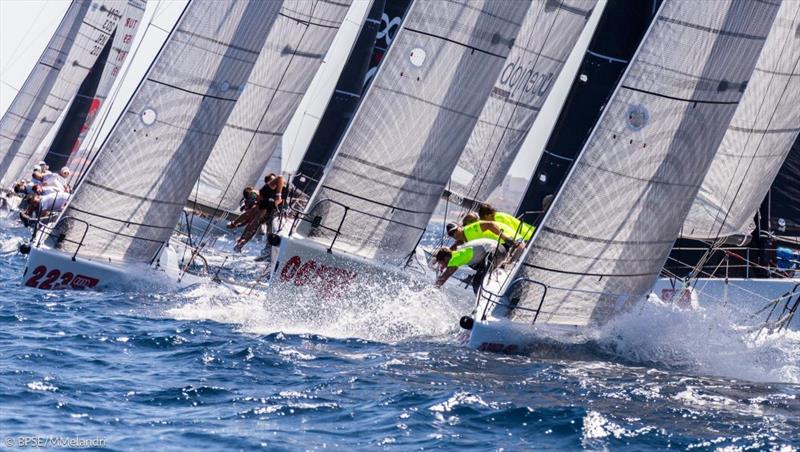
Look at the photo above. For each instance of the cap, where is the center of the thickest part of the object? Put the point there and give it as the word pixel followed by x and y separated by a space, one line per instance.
pixel 37 167
pixel 450 228
pixel 64 168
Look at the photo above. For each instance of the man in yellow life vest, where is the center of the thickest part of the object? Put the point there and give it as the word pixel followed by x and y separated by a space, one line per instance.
pixel 475 254
pixel 480 230
pixel 522 230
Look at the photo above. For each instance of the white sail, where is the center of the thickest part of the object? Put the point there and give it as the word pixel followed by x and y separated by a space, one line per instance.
pixel 132 196
pixel 545 40
pixel 54 81
pixel 396 157
pixel 295 48
pixel 758 140
pixel 612 226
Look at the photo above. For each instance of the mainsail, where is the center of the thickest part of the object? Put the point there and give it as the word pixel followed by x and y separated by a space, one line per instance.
pixel 782 209
pixel 131 197
pixel 393 162
pixel 543 44
pixel 64 64
pixel 762 132
pixel 616 38
pixel 294 50
pixel 610 228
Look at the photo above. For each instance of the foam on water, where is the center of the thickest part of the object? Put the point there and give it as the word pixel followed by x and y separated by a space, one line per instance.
pixel 714 340
pixel 390 313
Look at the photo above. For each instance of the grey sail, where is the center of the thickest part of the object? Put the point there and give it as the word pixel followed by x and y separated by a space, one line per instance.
pixel 53 82
pixel 124 36
pixel 393 162
pixel 758 140
pixel 131 197
pixel 294 50
pixel 610 229
pixel 545 40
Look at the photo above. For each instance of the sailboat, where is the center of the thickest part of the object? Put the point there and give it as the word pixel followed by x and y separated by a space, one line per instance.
pixel 607 234
pixel 757 143
pixel 116 228
pixel 379 190
pixel 84 36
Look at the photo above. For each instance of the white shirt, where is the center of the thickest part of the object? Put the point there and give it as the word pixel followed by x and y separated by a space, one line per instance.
pixel 55 180
pixel 54 202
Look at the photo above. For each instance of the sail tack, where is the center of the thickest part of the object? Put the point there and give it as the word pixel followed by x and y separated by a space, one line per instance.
pixel 544 42
pixel 294 49
pixel 131 197
pixel 72 51
pixel 395 159
pixel 758 140
pixel 610 229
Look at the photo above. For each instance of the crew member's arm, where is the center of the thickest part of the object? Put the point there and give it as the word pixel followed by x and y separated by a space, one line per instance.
pixel 493 227
pixel 279 191
pixel 445 276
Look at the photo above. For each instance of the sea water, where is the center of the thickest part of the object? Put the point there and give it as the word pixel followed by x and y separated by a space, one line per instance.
pixel 204 368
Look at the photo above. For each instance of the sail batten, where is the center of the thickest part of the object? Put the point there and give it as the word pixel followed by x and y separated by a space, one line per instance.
pixel 611 227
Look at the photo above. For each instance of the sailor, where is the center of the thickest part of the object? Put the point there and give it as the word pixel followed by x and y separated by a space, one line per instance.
pixel 44 167
pixel 58 181
pixel 488 213
pixel 270 199
pixel 43 205
pixel 248 206
pixel 477 254
pixel 480 230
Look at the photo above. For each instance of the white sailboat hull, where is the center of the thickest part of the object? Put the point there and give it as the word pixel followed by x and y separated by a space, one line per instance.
pixel 49 269
pixel 499 334
pixel 303 263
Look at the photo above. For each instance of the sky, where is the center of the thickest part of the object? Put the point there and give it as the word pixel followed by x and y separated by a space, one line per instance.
pixel 27 25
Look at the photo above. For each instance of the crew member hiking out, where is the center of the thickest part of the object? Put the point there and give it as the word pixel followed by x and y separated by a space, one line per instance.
pixel 487 213
pixel 477 254
pixel 270 199
pixel 480 230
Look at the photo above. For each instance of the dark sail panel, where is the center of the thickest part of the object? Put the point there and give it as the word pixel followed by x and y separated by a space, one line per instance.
pixel 615 40
pixel 784 196
pixel 376 35
pixel 80 113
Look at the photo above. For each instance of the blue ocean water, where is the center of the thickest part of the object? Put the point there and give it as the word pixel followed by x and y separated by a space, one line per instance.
pixel 205 369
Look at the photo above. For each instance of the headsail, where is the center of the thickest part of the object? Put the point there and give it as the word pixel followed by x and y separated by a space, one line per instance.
pixel 782 207
pixel 132 196
pixel 395 159
pixel 616 38
pixel 762 132
pixel 71 52
pixel 295 47
pixel 612 225
pixel 543 44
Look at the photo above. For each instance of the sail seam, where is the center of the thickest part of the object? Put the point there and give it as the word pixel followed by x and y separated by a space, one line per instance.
pixel 306 22
pixel 681 99
pixel 94 214
pixel 716 31
pixel 599 275
pixel 131 195
pixel 606 241
pixel 374 202
pixel 497 55
pixel 451 110
pixel 190 91
pixel 389 170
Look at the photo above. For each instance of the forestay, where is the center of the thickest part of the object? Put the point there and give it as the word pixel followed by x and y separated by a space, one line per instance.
pixel 760 136
pixel 610 229
pixel 134 192
pixel 294 50
pixel 71 52
pixel 545 40
pixel 393 163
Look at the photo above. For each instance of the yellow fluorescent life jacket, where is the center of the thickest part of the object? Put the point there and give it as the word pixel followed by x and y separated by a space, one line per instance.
pixel 525 230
